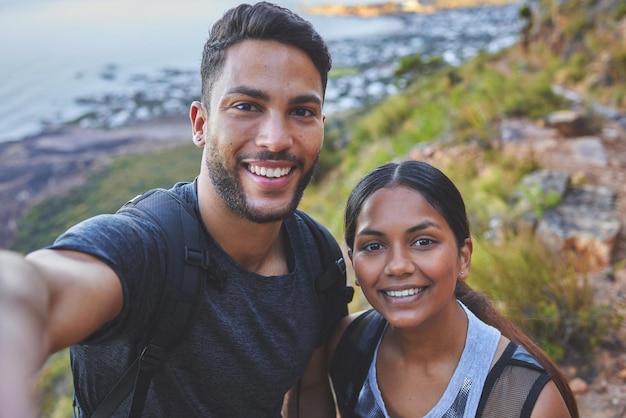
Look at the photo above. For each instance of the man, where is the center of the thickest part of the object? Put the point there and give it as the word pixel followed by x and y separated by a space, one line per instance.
pixel 257 337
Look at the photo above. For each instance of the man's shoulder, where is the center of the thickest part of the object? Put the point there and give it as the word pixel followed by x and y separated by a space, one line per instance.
pixel 186 190
pixel 152 203
pixel 313 227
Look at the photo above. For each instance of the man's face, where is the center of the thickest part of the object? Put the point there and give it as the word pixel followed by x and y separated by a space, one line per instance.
pixel 265 129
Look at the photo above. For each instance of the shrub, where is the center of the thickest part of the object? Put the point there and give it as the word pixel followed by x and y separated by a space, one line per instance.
pixel 543 295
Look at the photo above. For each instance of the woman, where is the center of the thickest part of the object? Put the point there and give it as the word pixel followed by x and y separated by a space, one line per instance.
pixel 431 346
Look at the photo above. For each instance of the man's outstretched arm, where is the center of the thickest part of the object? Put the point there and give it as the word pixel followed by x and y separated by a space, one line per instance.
pixel 49 300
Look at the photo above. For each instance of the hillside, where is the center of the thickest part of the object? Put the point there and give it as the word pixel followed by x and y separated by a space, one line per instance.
pixel 455 118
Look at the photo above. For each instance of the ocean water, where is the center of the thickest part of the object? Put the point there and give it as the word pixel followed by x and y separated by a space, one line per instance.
pixel 55 51
pixel 60 58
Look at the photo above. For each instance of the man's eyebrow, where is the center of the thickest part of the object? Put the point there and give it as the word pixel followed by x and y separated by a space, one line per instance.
pixel 261 95
pixel 306 98
pixel 249 91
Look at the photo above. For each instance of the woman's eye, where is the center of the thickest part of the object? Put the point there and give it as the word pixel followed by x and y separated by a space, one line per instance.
pixel 372 247
pixel 422 242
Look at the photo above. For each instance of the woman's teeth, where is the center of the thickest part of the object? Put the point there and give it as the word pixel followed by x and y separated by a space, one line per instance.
pixel 404 293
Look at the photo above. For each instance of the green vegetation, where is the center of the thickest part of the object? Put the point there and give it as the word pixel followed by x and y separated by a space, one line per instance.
pixel 459 109
pixel 56 387
pixel 105 192
pixel 544 295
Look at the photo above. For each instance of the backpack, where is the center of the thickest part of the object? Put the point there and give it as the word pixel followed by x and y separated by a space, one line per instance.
pixel 189 262
pixel 352 358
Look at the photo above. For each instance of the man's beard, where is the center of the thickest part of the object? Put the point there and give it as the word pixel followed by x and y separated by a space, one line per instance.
pixel 229 187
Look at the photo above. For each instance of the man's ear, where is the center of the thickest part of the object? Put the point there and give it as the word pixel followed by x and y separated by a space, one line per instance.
pixel 198 116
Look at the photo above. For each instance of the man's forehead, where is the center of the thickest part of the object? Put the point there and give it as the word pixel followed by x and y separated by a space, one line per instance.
pixel 253 62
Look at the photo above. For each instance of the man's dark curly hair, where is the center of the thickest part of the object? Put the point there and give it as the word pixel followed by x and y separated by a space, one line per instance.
pixel 262 21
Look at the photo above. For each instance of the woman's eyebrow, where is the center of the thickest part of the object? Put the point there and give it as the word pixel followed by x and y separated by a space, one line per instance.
pixel 419 227
pixel 369 231
pixel 424 225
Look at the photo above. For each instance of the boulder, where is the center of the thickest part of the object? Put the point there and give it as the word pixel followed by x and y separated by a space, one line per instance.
pixel 568 123
pixel 583 227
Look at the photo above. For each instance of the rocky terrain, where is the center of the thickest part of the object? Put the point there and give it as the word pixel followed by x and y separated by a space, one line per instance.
pixel 56 162
pixel 61 158
pixel 598 161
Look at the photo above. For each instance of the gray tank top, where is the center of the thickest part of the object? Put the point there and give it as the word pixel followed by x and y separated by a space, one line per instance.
pixel 461 397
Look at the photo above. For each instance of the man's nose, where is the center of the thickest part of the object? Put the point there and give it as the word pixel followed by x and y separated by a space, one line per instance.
pixel 275 134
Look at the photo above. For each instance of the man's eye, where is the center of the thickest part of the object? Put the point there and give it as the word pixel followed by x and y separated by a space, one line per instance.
pixel 244 106
pixel 302 112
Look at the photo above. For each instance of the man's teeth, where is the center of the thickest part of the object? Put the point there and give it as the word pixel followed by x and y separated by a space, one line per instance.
pixel 404 293
pixel 269 172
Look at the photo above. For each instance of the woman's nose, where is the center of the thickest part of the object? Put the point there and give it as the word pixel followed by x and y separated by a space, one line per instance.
pixel 399 263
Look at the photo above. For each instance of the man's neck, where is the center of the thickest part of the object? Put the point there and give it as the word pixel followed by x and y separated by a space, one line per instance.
pixel 259 248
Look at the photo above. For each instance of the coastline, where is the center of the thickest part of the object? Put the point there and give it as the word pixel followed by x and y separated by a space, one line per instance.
pixel 115 93
pixel 151 114
pixel 56 161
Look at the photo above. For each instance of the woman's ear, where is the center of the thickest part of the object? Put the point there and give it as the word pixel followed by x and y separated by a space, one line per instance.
pixel 198 116
pixel 465 258
pixel 356 280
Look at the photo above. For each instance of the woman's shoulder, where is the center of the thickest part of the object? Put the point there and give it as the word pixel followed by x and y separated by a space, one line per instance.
pixel 514 383
pixel 356 331
pixel 339 330
pixel 350 354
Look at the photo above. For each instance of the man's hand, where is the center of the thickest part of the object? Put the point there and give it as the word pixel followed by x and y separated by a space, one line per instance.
pixel 23 346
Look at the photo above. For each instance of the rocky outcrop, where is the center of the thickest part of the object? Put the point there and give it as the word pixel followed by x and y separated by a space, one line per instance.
pixel 579 223
pixel 580 190
pixel 576 201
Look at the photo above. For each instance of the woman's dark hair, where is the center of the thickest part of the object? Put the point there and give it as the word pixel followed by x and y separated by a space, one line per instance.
pixel 441 193
pixel 431 183
pixel 262 21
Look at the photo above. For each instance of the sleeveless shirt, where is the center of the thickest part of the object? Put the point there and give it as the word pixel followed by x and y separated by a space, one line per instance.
pixel 462 396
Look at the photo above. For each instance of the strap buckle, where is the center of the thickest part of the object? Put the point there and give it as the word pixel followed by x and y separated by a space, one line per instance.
pixel 198 258
pixel 151 357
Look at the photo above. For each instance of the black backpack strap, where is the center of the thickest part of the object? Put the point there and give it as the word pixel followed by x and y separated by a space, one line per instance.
pixel 187 264
pixel 332 288
pixel 352 358
pixel 513 384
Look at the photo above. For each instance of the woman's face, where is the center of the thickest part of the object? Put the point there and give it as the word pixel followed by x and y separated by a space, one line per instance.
pixel 406 259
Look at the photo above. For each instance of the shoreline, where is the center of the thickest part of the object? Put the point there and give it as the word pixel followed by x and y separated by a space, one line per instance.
pixel 364 73
pixel 56 161
pixel 154 117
